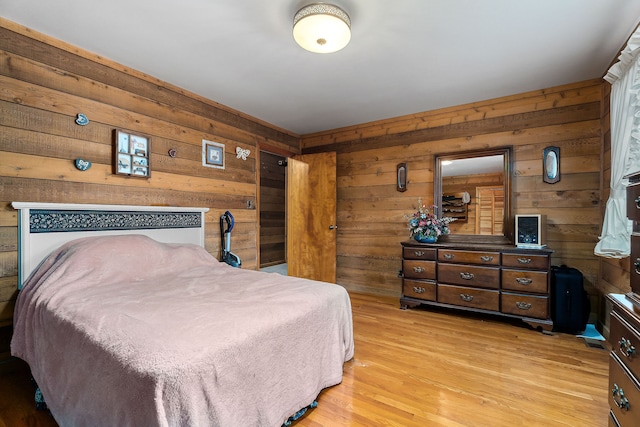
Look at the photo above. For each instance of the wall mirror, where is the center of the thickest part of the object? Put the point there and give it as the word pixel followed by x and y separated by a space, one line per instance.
pixel 551 165
pixel 475 188
pixel 401 172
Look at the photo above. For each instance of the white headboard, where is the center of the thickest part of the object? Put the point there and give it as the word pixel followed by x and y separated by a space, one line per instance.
pixel 43 227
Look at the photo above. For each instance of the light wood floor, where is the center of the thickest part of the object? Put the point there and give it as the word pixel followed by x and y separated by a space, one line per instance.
pixel 428 368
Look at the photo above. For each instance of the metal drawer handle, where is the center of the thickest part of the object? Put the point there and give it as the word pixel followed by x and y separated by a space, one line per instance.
pixel 449 256
pixel 418 269
pixel 418 290
pixel 627 348
pixel 466 276
pixel 619 398
pixel 523 281
pixel 486 258
pixel 418 253
pixel 466 297
pixel 637 265
pixel 524 260
pixel 638 202
pixel 523 305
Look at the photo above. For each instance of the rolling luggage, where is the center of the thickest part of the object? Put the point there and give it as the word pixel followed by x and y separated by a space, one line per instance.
pixel 570 305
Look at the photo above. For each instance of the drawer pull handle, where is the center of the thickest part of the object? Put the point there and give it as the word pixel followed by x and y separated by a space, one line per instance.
pixel 486 258
pixel 637 265
pixel 523 281
pixel 638 202
pixel 418 253
pixel 466 297
pixel 467 276
pixel 449 256
pixel 627 348
pixel 418 290
pixel 523 305
pixel 524 260
pixel 619 398
pixel 418 269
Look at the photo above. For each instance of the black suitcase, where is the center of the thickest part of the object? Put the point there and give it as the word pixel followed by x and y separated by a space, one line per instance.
pixel 570 305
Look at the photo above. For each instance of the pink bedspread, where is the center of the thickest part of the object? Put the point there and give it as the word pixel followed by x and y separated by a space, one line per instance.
pixel 126 331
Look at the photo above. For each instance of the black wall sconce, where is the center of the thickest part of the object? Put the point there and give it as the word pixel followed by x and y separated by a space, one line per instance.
pixel 551 165
pixel 401 173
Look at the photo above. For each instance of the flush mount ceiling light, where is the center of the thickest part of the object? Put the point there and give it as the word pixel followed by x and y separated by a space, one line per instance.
pixel 321 28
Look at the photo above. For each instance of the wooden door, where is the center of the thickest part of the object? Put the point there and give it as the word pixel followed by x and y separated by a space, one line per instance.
pixel 311 216
pixel 272 209
pixel 489 210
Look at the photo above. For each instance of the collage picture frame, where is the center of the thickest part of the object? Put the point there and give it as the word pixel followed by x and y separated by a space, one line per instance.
pixel 131 154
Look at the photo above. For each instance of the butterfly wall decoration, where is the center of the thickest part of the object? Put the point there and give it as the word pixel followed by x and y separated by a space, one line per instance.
pixel 242 153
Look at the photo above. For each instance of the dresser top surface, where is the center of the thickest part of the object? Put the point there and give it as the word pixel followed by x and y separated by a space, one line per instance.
pixel 477 247
pixel 624 303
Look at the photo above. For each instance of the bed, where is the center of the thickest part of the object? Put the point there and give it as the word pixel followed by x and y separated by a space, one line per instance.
pixel 125 319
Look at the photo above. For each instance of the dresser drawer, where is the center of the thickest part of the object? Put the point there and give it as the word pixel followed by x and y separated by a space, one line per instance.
pixel 525 305
pixel 634 270
pixel 625 342
pixel 428 254
pixel 612 420
pixel 469 257
pixel 414 269
pixel 422 289
pixel 622 388
pixel 469 297
pixel 536 262
pixel 633 202
pixel 525 281
pixel 469 275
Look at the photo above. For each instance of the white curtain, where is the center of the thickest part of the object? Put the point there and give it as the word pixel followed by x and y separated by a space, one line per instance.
pixel 624 77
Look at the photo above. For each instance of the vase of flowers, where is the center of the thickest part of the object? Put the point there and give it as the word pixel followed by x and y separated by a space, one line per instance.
pixel 425 226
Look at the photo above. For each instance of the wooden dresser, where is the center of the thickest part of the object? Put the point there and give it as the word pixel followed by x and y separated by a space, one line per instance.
pixel 624 332
pixel 501 280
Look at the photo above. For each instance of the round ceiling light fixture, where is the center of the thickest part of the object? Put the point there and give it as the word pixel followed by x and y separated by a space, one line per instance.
pixel 322 28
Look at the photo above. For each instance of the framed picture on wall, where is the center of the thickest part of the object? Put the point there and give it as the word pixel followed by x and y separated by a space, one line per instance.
pixel 131 154
pixel 212 154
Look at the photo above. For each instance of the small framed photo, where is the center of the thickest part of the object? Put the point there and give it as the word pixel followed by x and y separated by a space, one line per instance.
pixel 212 154
pixel 124 164
pixel 131 154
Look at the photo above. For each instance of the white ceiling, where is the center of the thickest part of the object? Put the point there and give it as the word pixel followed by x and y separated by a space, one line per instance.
pixel 405 56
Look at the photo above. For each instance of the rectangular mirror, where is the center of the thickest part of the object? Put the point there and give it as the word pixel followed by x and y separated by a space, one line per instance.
pixel 475 188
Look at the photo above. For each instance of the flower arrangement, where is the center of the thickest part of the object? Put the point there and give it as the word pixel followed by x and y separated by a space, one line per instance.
pixel 425 225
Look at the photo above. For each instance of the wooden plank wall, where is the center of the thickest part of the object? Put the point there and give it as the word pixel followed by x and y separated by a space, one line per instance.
pixel 370 210
pixel 272 209
pixel 46 82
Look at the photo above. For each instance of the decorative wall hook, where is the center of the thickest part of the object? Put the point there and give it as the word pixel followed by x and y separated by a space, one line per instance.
pixel 82 120
pixel 401 172
pixel 83 165
pixel 242 153
pixel 551 165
